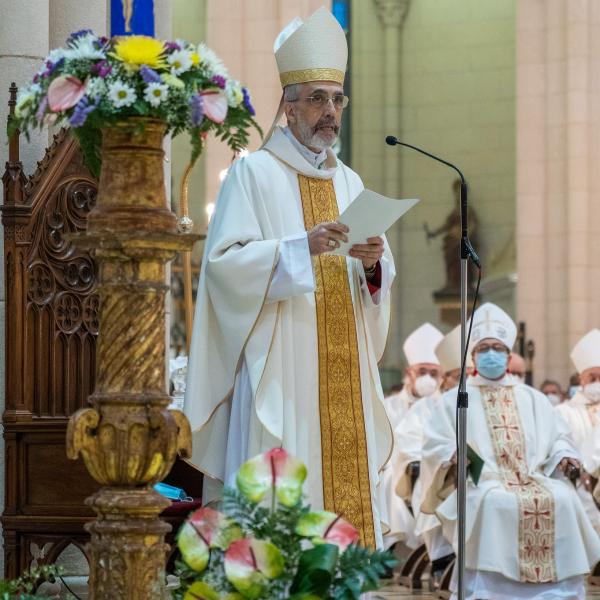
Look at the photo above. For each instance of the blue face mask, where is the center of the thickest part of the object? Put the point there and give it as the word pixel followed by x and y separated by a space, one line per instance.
pixel 492 364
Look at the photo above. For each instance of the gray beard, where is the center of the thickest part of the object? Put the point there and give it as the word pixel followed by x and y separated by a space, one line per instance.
pixel 313 140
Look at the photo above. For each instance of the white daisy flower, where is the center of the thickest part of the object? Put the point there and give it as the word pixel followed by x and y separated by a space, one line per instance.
pixel 121 94
pixel 155 93
pixel 55 55
pixel 180 61
pixel 96 86
pixel 233 91
pixel 83 48
pixel 211 61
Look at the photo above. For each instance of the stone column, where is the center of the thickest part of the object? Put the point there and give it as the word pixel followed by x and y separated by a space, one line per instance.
pixel 558 213
pixel 67 16
pixel 391 14
pixel 24 42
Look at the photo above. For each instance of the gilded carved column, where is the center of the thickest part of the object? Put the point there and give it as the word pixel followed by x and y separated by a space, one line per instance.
pixel 128 438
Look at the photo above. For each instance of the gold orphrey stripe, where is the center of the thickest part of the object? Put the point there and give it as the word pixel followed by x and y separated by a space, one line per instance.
pixel 346 485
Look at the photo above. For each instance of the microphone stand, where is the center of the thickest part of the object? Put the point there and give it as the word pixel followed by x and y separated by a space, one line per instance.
pixel 462 402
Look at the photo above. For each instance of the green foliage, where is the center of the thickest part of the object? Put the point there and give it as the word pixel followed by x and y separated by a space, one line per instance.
pixel 321 572
pixel 23 587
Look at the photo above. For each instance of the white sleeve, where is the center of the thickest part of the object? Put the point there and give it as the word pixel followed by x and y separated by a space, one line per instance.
pixel 386 282
pixel 294 272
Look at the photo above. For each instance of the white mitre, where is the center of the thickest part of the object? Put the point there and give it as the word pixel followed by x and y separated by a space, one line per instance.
pixel 586 353
pixel 311 50
pixel 420 345
pixel 315 50
pixel 490 321
pixel 448 351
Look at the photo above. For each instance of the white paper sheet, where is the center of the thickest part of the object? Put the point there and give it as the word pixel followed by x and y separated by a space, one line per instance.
pixel 370 215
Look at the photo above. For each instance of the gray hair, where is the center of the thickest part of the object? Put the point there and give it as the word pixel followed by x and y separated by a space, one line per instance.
pixel 291 92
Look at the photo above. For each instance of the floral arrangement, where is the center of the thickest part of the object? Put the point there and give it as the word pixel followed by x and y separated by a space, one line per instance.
pixel 265 543
pixel 95 82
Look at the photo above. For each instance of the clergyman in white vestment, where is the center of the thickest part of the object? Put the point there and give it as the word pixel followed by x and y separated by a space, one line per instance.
pixel 527 533
pixel 287 337
pixel 422 378
pixel 410 436
pixel 582 414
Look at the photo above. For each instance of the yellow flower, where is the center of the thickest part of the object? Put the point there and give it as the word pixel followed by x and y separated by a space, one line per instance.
pixel 137 50
pixel 195 59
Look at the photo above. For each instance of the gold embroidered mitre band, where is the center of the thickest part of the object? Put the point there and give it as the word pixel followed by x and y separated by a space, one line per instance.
pixel 315 50
pixel 345 464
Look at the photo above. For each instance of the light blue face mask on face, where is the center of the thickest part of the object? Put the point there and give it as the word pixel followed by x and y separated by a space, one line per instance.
pixel 492 364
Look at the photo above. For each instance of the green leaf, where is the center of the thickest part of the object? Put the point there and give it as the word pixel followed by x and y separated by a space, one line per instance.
pixel 316 570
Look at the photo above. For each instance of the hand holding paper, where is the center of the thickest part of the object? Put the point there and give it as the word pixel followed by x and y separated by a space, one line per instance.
pixel 370 215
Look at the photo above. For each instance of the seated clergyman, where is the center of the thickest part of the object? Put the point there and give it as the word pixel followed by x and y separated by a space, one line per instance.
pixel 527 534
pixel 582 415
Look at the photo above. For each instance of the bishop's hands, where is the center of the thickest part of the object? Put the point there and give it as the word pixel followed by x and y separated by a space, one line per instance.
pixel 369 253
pixel 326 237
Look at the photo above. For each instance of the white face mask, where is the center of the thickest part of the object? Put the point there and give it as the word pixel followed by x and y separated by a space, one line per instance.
pixel 425 385
pixel 592 391
pixel 555 399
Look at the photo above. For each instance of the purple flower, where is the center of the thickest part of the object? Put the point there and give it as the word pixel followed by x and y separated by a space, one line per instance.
pixel 247 102
pixel 197 109
pixel 102 42
pixel 172 46
pixel 219 81
pixel 77 34
pixel 41 111
pixel 102 69
pixel 149 75
pixel 81 111
pixel 51 67
pixel 36 78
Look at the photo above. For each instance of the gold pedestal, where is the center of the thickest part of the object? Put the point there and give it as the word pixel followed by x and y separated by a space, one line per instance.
pixel 128 438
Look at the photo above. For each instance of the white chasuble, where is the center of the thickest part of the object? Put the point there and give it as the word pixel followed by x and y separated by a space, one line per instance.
pixel 409 437
pixel 401 520
pixel 301 369
pixel 583 419
pixel 525 522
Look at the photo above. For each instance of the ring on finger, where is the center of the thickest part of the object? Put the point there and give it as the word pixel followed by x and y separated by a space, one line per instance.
pixel 331 243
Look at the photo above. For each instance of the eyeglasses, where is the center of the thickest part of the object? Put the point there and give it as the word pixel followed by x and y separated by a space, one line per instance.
pixel 339 101
pixel 483 348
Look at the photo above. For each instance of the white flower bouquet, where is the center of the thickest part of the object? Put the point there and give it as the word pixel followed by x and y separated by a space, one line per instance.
pixel 96 82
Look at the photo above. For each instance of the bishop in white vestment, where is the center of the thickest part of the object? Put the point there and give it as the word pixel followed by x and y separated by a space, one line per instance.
pixel 582 414
pixel 410 436
pixel 527 533
pixel 286 336
pixel 422 379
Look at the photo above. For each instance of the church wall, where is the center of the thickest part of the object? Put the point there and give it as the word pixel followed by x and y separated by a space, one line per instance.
pixel 558 148
pixel 457 90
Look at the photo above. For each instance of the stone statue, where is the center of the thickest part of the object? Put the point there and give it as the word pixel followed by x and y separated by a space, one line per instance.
pixel 451 228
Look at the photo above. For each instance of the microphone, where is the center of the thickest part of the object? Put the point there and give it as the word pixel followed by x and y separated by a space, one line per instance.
pixel 467 250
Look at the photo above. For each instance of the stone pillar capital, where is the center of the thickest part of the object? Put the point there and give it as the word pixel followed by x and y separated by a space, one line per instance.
pixel 391 12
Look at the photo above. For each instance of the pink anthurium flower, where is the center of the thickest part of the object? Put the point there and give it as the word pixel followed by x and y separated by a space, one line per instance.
pixel 215 105
pixel 204 529
pixel 273 470
pixel 250 563
pixel 65 92
pixel 327 528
